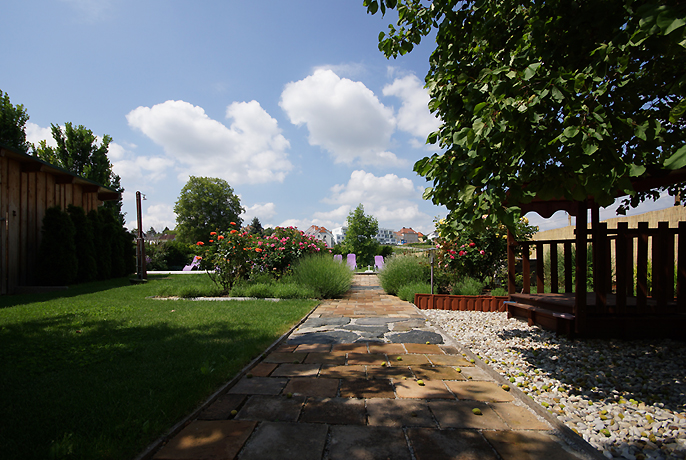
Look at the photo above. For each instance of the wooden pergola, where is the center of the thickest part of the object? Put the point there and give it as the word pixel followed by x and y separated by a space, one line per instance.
pixel 625 305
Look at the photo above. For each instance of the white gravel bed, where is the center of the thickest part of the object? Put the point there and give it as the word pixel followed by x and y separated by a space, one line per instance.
pixel 626 398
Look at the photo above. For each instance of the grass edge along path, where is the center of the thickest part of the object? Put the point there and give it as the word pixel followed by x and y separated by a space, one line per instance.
pixel 99 371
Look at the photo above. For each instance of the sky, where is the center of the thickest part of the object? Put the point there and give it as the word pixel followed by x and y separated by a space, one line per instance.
pixel 289 101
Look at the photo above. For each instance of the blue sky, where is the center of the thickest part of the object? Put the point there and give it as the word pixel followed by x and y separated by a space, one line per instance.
pixel 289 101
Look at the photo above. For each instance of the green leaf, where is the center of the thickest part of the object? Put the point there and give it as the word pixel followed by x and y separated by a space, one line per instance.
pixel 676 161
pixel 590 148
pixel 571 131
pixel 678 111
pixel 668 23
pixel 373 7
pixel 636 170
pixel 557 94
pixel 479 107
pixel 530 71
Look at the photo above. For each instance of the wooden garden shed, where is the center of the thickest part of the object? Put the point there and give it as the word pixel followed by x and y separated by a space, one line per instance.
pixel 630 297
pixel 29 186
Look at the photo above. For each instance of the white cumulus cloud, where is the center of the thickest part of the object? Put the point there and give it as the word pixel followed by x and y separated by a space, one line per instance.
pixel 263 211
pixel 413 116
pixel 252 150
pixel 343 117
pixel 35 134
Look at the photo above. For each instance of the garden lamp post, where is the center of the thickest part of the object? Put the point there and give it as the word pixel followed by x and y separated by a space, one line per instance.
pixel 431 258
pixel 140 244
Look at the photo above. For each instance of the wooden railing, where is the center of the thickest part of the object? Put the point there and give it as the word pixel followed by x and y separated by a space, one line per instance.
pixel 620 267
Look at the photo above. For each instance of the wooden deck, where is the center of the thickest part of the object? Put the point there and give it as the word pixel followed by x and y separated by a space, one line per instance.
pixel 555 312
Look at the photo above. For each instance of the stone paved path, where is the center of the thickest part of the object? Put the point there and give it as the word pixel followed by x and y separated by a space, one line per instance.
pixel 364 378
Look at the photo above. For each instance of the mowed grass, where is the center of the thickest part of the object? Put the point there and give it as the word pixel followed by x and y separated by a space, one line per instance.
pixel 99 371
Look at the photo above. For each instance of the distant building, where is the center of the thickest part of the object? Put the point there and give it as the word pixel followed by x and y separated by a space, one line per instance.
pixel 383 235
pixel 322 234
pixel 407 236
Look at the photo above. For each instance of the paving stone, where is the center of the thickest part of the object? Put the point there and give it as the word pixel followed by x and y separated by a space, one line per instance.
pixel 407 360
pixel 430 444
pixel 366 358
pixel 527 445
pixel 415 337
pixel 285 348
pixel 479 391
pixel 280 358
pixel 408 325
pixel 458 414
pixel 519 417
pixel 367 389
pixel 349 348
pixel 448 360
pixel 387 348
pixel 423 348
pixel 271 408
pixel 476 373
pixel 369 331
pixel 286 441
pixel 296 370
pixel 320 387
pixel 375 321
pixel 222 407
pixel 377 372
pixel 314 348
pixel 334 411
pixel 323 337
pixel 343 372
pixel 399 412
pixel 449 350
pixel 259 386
pixel 321 322
pixel 436 373
pixel 262 369
pixel 432 389
pixel 325 358
pixel 368 443
pixel 207 440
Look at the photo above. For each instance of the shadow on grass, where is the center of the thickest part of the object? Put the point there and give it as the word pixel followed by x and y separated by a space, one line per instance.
pixel 107 388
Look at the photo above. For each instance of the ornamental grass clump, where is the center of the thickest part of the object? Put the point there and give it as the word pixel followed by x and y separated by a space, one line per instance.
pixel 408 291
pixel 468 286
pixel 325 276
pixel 401 270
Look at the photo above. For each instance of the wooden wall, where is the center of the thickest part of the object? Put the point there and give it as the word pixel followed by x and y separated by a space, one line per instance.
pixel 25 193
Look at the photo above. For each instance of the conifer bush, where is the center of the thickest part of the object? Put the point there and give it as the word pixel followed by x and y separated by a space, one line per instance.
pixel 57 261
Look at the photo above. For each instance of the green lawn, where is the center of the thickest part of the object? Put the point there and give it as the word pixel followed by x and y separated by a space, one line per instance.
pixel 99 371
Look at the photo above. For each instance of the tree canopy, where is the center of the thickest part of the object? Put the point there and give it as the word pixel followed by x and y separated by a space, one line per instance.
pixel 359 238
pixel 13 120
pixel 557 99
pixel 206 204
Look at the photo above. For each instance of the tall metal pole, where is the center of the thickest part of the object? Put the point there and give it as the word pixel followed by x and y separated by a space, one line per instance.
pixel 431 252
pixel 140 244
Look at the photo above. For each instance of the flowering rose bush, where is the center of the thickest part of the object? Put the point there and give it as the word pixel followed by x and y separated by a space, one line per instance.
pixel 235 254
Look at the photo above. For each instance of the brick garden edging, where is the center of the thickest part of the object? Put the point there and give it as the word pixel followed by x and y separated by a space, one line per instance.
pixel 460 302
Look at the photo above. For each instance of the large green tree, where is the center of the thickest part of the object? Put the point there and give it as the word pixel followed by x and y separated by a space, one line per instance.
pixel 555 98
pixel 13 120
pixel 78 151
pixel 359 238
pixel 206 204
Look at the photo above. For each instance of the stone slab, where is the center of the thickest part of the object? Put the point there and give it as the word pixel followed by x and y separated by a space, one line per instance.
pixel 286 441
pixel 207 440
pixel 387 348
pixel 376 321
pixel 262 369
pixel 314 348
pixel 325 322
pixel 519 417
pixel 370 331
pixel 415 337
pixel 334 411
pixel 368 443
pixel 430 444
pixel 399 412
pixel 448 360
pixel 407 360
pixel 349 348
pixel 367 358
pixel 222 407
pixel 479 391
pixel 423 348
pixel 296 370
pixel 377 372
pixel 271 408
pixel 436 373
pixel 259 386
pixel 528 445
pixel 280 358
pixel 323 337
pixel 367 389
pixel 343 372
pixel 325 358
pixel 319 388
pixel 432 389
pixel 476 373
pixel 458 414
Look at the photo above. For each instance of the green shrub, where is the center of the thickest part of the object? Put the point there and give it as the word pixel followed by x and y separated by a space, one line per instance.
pixel 326 277
pixel 468 286
pixel 57 261
pixel 408 291
pixel 401 270
pixel 87 266
pixel 499 291
pixel 293 291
